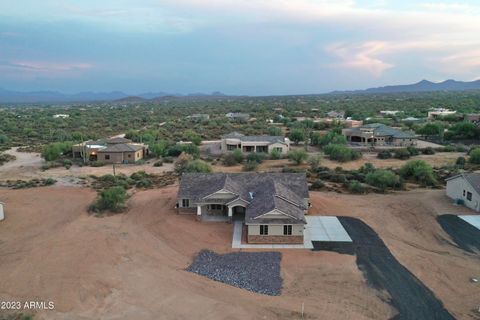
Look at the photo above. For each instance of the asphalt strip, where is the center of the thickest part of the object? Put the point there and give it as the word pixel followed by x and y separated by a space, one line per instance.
pixel 466 236
pixel 411 298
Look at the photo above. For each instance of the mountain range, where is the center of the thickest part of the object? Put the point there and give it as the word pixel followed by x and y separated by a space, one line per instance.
pixel 7 96
pixel 422 86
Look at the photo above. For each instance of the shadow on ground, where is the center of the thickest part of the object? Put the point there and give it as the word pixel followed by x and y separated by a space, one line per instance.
pixel 466 236
pixel 411 298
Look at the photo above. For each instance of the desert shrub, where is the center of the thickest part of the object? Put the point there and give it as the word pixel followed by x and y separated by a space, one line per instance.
pixel 97 164
pixel 139 175
pixel 67 163
pixel 54 151
pixel 332 137
pixel 460 148
pixel 257 157
pixel 229 160
pixel 474 156
pixel 341 153
pixel 168 159
pixel 239 157
pixel 275 131
pixel 158 163
pixel 383 179
pixel 3 139
pixel 182 162
pixel 413 151
pixel 314 162
pixel 428 150
pixel 198 166
pixel 384 154
pixel 461 161
pixel 275 154
pixel 419 171
pixel 158 149
pixel 177 149
pixel 144 183
pixel 250 166
pixel 355 186
pixel 318 184
pixel 112 199
pixel 401 154
pixel 297 156
pixel 297 135
pixel 367 168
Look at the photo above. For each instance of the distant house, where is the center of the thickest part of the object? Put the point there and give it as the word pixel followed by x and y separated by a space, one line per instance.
pixel 247 144
pixel 62 116
pixel 336 115
pixel 380 135
pixel 411 119
pixel 465 189
pixel 114 150
pixel 237 116
pixel 389 112
pixel 199 117
pixel 272 205
pixel 472 118
pixel 440 112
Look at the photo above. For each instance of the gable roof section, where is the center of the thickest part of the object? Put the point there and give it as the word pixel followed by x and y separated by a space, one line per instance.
pixel 259 138
pixel 121 147
pixel 471 177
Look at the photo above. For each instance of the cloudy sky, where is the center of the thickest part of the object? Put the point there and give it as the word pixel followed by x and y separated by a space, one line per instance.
pixel 254 47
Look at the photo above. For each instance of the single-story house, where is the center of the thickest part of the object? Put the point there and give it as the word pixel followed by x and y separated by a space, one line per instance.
pixel 472 118
pixel 465 188
pixel 272 205
pixel 238 116
pixel 266 144
pixel 114 150
pixel 436 113
pixel 336 115
pixel 380 135
pixel 199 117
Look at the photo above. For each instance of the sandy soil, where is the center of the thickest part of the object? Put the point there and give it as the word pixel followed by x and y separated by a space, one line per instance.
pixel 438 159
pixel 131 266
pixel 28 165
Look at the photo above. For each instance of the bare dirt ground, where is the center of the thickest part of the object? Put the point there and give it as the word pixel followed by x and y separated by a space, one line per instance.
pixel 28 165
pixel 131 266
pixel 438 159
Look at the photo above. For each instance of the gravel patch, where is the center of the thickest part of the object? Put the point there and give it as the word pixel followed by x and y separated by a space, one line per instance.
pixel 254 271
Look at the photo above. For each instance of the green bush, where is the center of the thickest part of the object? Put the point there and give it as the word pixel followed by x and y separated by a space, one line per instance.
pixel 237 153
pixel 97 164
pixel 275 154
pixel 402 154
pixel 158 149
pixel 383 179
pixel 198 166
pixel 275 131
pixel 384 154
pixel 341 153
pixel 54 151
pixel 355 186
pixel 367 168
pixel 297 135
pixel 257 157
pixel 158 163
pixel 413 151
pixel 419 171
pixel 250 166
pixel 297 156
pixel 314 162
pixel 428 150
pixel 474 156
pixel 318 184
pixel 112 199
pixel 460 161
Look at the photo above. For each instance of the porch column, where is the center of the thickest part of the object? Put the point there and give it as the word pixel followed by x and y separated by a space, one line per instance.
pixel 230 212
pixel 199 210
pixel 255 149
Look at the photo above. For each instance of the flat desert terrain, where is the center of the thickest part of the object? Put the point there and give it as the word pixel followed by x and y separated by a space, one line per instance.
pixel 131 265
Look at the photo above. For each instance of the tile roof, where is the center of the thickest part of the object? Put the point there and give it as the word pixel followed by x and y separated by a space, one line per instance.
pixel 264 192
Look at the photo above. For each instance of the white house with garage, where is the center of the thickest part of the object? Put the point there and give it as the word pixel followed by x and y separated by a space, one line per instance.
pixel 465 189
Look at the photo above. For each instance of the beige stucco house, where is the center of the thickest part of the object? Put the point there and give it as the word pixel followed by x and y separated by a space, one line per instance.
pixel 465 188
pixel 272 205
pixel 378 134
pixel 114 150
pixel 246 144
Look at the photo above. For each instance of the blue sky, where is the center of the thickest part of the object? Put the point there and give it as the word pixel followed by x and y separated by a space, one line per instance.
pixel 255 47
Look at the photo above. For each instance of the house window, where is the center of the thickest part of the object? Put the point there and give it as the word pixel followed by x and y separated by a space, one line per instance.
pixel 185 203
pixel 231 147
pixel 107 157
pixel 264 230
pixel 278 149
pixel 469 196
pixel 464 193
pixel 129 155
pixel 287 230
pixel 216 206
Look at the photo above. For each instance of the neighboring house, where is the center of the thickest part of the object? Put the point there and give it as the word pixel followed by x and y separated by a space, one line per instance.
pixel 272 205
pixel 411 119
pixel 472 118
pixel 465 189
pixel 238 116
pixel 440 112
pixel 199 117
pixel 380 135
pixel 389 112
pixel 265 144
pixel 114 150
pixel 336 115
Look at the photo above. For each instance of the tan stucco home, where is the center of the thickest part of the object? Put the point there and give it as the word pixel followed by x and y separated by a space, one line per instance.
pixel 377 134
pixel 114 150
pixel 247 144
pixel 272 205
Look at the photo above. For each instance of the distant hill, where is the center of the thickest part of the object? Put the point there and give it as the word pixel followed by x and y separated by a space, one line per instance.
pixel 423 86
pixel 7 96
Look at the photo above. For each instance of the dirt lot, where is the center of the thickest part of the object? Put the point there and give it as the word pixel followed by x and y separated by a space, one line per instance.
pixel 438 159
pixel 131 266
pixel 28 165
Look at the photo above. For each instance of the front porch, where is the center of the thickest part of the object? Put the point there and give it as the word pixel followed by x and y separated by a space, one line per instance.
pixel 219 212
